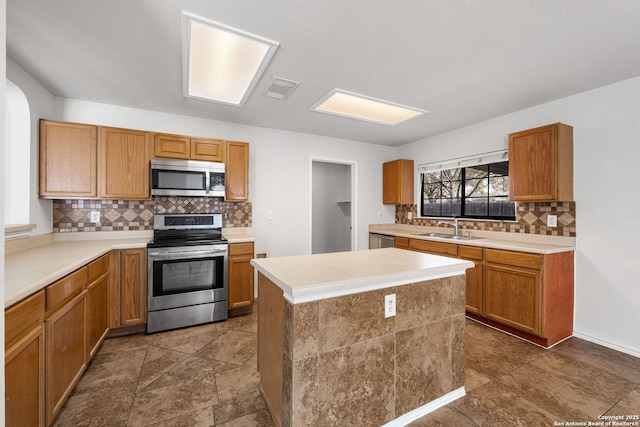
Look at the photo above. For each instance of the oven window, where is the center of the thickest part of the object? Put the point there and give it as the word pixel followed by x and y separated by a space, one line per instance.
pixel 187 275
pixel 178 180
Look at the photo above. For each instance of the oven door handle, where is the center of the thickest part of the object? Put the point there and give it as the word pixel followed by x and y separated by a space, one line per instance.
pixel 186 254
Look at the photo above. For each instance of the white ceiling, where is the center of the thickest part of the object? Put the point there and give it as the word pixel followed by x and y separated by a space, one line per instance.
pixel 463 60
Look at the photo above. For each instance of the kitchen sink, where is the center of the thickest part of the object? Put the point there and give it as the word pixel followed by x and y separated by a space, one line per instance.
pixel 447 236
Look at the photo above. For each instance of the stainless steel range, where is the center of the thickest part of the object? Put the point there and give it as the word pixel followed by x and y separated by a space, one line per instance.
pixel 187 271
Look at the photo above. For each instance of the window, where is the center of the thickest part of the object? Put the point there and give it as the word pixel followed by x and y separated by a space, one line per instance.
pixel 480 191
pixel 17 150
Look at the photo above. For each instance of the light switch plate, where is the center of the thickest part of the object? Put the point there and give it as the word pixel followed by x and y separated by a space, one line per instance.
pixel 552 220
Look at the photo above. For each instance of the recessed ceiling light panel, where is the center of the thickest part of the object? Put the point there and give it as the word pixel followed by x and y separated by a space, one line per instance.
pixel 361 107
pixel 221 63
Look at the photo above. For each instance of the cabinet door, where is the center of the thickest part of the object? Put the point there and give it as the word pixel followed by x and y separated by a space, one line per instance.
pixel 68 160
pixel 65 353
pixel 240 275
pixel 171 146
pixel 212 150
pixel 124 165
pixel 513 296
pixel 533 164
pixel 475 277
pixel 474 288
pixel 397 182
pixel 133 287
pixel 97 313
pixel 237 171
pixel 24 380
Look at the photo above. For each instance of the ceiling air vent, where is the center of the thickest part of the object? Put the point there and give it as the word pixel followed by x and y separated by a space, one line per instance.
pixel 279 88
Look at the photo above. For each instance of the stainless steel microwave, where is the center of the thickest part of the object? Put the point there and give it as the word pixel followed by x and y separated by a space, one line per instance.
pixel 175 177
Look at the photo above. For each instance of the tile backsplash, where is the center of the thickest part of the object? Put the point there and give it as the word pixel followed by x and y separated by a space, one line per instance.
pixel 124 215
pixel 531 218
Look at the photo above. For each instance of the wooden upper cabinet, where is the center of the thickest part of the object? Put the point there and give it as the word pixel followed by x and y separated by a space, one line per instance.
pixel 185 147
pixel 124 163
pixel 541 164
pixel 397 182
pixel 237 171
pixel 212 150
pixel 68 160
pixel 171 146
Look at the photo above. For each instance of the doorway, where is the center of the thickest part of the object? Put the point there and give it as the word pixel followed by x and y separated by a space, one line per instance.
pixel 332 205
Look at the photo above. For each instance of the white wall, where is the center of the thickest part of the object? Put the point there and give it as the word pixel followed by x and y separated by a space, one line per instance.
pixel 279 165
pixel 40 106
pixel 606 124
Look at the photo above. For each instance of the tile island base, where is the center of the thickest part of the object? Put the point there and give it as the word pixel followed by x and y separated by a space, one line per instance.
pixel 338 361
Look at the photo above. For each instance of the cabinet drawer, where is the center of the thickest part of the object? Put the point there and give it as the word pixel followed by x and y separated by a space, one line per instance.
pixel 22 316
pixel 433 247
pixel 518 259
pixel 470 252
pixel 65 288
pixel 241 249
pixel 402 242
pixel 98 267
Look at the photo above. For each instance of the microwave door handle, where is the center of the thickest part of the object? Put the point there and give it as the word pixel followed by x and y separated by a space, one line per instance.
pixel 207 181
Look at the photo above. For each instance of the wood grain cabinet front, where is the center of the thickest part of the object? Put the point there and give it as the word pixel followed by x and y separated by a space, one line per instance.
pixel 125 157
pixel 240 275
pixel 133 287
pixel 24 363
pixel 397 182
pixel 237 171
pixel 541 164
pixel 68 160
pixel 475 279
pixel 65 349
pixel 186 147
pixel 97 304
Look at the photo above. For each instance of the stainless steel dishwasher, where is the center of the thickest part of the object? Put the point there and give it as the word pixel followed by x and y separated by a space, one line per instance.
pixel 377 241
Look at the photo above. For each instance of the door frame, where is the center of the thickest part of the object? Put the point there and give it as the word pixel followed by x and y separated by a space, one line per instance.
pixel 354 197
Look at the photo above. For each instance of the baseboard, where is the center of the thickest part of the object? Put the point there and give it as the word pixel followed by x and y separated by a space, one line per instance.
pixel 608 344
pixel 423 410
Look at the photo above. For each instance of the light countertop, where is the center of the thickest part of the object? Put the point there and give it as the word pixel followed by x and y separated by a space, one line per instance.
pixel 314 277
pixel 30 268
pixel 538 244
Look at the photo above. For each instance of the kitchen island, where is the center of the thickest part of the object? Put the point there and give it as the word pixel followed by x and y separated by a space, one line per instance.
pixel 327 355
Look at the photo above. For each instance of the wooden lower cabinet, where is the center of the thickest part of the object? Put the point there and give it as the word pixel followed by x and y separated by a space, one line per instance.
pixel 240 275
pixel 529 295
pixel 475 278
pixel 513 296
pixel 65 343
pixel 97 313
pixel 24 380
pixel 133 287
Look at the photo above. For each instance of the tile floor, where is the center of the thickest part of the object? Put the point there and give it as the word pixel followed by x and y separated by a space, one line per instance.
pixel 206 376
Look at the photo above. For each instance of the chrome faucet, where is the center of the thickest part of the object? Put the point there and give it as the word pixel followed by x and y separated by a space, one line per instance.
pixel 453 224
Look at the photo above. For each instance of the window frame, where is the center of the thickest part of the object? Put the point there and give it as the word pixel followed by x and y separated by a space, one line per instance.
pixel 463 196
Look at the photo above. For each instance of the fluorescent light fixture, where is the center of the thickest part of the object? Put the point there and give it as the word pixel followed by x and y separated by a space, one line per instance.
pixel 221 63
pixel 355 106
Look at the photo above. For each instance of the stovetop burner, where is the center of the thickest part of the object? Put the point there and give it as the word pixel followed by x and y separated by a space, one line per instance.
pixel 187 230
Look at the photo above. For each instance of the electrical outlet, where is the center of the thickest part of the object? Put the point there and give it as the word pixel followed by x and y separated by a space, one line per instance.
pixel 409 215
pixel 389 305
pixel 552 220
pixel 95 216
